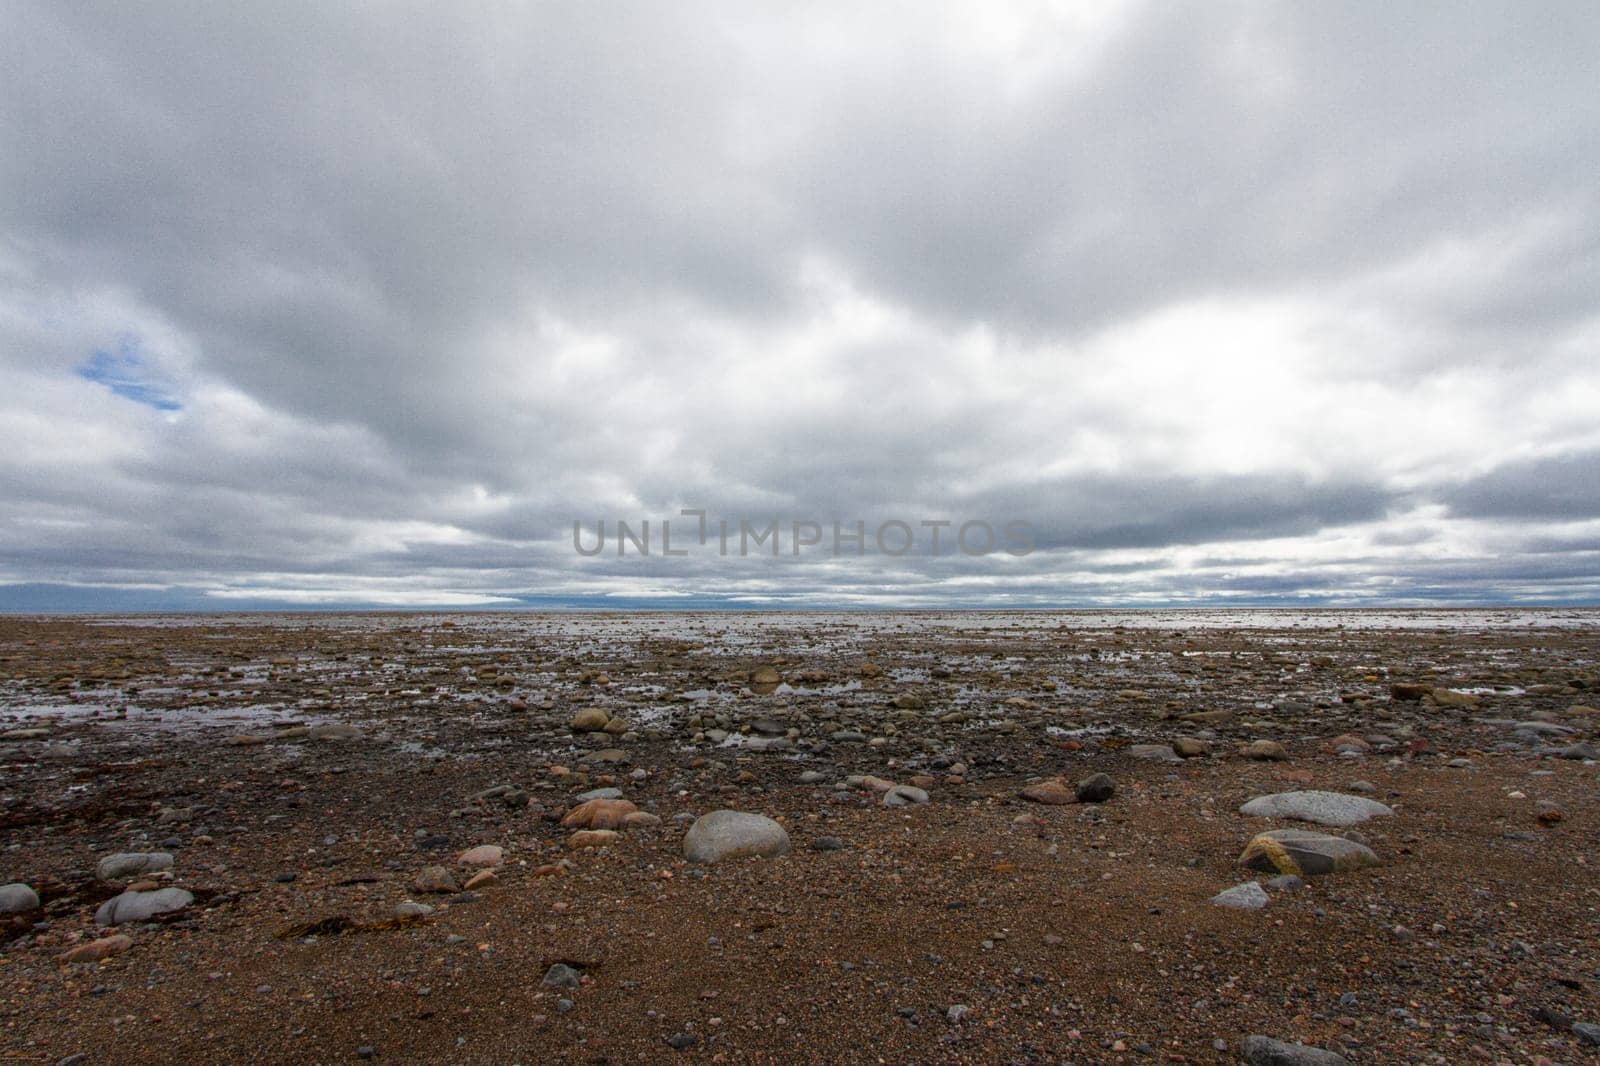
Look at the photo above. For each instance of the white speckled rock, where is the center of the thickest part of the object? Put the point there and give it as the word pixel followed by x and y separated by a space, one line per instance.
pixel 1322 808
pixel 734 834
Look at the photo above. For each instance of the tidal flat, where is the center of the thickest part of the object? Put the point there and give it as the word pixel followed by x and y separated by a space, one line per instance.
pixel 985 837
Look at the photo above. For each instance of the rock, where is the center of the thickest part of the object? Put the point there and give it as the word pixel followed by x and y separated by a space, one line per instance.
pixel 244 740
pixel 1190 747
pixel 1578 751
pixel 1246 897
pixel 560 975
pixel 95 950
pixel 606 755
pixel 904 795
pixel 141 906
pixel 1154 752
pixel 827 843
pixel 1444 697
pixel 412 909
pixel 1210 717
pixel 599 794
pixel 867 781
pixel 766 675
pixel 1265 1051
pixel 768 727
pixel 435 879
pixel 909 701
pixel 1322 808
pixel 1054 792
pixel 128 864
pixel 734 834
pixel 1286 883
pixel 1266 751
pixel 682 1041
pixel 1096 788
pixel 18 898
pixel 482 855
pixel 333 731
pixel 1299 851
pixel 592 838
pixel 1587 1033
pixel 598 814
pixel 640 820
pixel 1409 691
pixel 590 720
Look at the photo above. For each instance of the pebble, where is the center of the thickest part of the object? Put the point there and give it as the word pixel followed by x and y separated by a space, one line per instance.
pixel 611 793
pixel 734 834
pixel 560 975
pixel 904 795
pixel 482 855
pixel 1266 751
pixel 592 838
pixel 598 814
pixel 435 879
pixel 1054 792
pixel 95 950
pixel 590 720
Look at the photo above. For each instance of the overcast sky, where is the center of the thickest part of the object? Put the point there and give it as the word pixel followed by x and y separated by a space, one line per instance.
pixel 366 304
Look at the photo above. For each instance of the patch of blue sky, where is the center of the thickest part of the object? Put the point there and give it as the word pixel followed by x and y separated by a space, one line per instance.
pixel 127 373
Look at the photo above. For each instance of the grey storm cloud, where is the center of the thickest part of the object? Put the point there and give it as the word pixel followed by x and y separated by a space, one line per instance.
pixel 308 304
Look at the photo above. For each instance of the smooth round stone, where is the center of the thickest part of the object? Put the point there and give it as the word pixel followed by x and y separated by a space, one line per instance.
pixel 732 835
pixel 18 898
pixel 1246 897
pixel 1322 808
pixel 482 855
pixel 904 795
pixel 128 864
pixel 141 906
pixel 600 794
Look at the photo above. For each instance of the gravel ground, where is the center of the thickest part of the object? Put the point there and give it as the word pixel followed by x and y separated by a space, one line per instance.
pixel 306 769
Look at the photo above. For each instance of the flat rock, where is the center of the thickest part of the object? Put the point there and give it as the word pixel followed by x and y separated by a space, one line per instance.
pixel 904 795
pixel 599 794
pixel 435 879
pixel 95 950
pixel 141 906
pixel 734 834
pixel 598 814
pixel 1322 808
pixel 128 864
pixel 333 731
pixel 592 838
pixel 1266 751
pixel 482 855
pixel 1054 792
pixel 1309 854
pixel 18 898
pixel 1246 897
pixel 1154 752
pixel 1265 1051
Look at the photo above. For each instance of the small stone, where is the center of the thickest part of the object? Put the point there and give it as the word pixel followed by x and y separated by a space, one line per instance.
pixel 1190 747
pixel 1266 751
pixel 590 720
pixel 435 879
pixel 598 814
pixel 600 794
pixel 1409 691
pixel 1587 1033
pixel 592 838
pixel 560 975
pixel 904 795
pixel 734 834
pixel 827 843
pixel 1153 752
pixel 1245 897
pixel 1265 1051
pixel 366 1051
pixel 95 950
pixel 141 906
pixel 1096 788
pixel 18 898
pixel 480 879
pixel 681 1041
pixel 1054 792
pixel 412 909
pixel 482 855
pixel 127 864
pixel 333 731
pixel 1286 883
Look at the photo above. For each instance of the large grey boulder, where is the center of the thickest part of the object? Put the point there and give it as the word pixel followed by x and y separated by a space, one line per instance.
pixel 128 864
pixel 1323 808
pixel 1309 854
pixel 732 835
pixel 141 906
